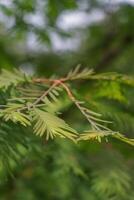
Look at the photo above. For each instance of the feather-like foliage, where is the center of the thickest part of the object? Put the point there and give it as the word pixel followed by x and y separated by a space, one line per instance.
pixel 51 125
pixel 79 74
pixel 99 135
pixel 113 76
pixel 8 78
pixel 11 112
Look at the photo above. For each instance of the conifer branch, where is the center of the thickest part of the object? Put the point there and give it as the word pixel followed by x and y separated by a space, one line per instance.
pixel 18 109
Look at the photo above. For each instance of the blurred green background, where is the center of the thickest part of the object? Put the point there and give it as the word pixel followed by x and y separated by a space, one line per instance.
pixel 49 37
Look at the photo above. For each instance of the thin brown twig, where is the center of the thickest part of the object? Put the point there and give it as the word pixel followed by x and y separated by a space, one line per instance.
pixel 49 81
pixel 94 126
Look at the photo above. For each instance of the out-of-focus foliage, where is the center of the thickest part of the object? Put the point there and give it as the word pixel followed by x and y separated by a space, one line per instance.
pixel 60 169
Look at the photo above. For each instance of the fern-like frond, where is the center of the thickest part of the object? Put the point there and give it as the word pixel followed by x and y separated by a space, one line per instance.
pixel 79 74
pixel 11 112
pixel 113 76
pixel 87 73
pixel 8 78
pixel 99 135
pixel 51 125
pixel 95 135
pixel 18 117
